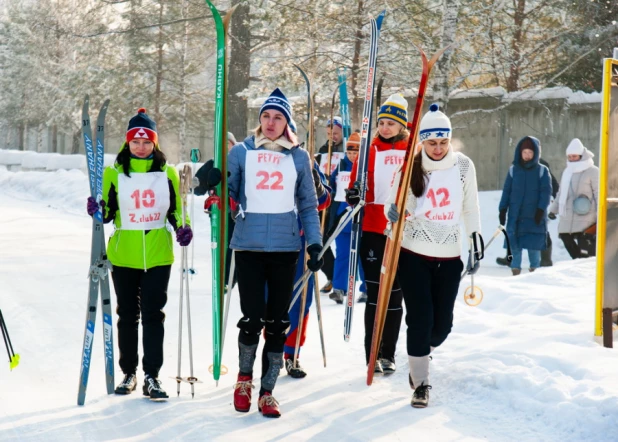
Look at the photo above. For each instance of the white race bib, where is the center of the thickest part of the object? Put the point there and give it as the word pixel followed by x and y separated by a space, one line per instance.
pixel 144 199
pixel 386 165
pixel 334 162
pixel 270 182
pixel 443 197
pixel 343 181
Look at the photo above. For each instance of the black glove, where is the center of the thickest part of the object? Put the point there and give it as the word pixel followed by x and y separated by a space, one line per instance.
pixel 317 181
pixel 478 246
pixel 502 217
pixel 539 215
pixel 551 215
pixel 352 196
pixel 314 264
pixel 209 177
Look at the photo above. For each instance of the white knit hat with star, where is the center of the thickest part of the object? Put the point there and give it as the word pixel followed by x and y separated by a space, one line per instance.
pixel 435 124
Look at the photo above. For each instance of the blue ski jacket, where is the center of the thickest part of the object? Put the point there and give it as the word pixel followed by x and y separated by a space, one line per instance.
pixel 273 232
pixel 527 188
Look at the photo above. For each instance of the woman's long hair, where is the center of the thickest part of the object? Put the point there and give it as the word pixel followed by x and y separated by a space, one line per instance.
pixel 124 159
pixel 417 181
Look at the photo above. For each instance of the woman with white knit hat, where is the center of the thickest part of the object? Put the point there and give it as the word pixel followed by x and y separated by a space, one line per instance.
pixel 443 192
pixel 576 202
pixel 386 154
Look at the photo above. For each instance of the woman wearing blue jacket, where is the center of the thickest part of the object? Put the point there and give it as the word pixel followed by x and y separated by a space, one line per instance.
pixel 271 180
pixel 525 197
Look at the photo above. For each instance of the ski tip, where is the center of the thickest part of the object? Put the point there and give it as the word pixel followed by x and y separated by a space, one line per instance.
pixel 380 18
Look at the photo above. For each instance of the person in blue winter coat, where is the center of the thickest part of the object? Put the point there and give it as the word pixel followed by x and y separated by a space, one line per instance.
pixel 339 181
pixel 525 198
pixel 271 181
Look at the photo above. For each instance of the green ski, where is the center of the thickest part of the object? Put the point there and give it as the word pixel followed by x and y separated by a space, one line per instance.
pixel 218 211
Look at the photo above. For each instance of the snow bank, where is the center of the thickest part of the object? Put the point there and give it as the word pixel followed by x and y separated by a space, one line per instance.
pixel 17 160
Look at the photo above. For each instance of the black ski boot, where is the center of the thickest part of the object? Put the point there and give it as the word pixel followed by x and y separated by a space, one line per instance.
pixel 152 388
pixel 295 371
pixel 337 296
pixel 388 365
pixel 128 384
pixel 420 398
pixel 502 261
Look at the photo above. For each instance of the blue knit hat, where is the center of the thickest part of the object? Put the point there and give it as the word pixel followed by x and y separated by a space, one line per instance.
pixel 395 108
pixel 434 124
pixel 279 102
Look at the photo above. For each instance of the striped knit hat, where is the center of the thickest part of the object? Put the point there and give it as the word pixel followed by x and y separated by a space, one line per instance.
pixel 337 121
pixel 279 102
pixel 395 108
pixel 142 126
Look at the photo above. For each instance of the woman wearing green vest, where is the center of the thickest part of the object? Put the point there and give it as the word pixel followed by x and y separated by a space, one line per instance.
pixel 141 196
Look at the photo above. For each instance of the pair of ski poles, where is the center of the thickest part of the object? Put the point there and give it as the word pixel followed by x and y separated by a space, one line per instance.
pixel 473 295
pixel 187 177
pixel 13 358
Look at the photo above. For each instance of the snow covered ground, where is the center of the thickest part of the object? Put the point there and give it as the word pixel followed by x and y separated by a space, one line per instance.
pixel 521 366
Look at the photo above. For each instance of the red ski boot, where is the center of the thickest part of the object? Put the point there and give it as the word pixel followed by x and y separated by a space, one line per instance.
pixel 268 406
pixel 242 393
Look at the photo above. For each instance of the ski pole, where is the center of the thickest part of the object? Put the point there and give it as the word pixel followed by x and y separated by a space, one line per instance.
pixel 318 308
pixel 345 218
pixel 474 295
pixel 192 379
pixel 195 158
pixel 228 296
pixel 13 358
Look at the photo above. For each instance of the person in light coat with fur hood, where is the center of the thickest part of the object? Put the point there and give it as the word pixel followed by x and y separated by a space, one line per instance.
pixel 576 202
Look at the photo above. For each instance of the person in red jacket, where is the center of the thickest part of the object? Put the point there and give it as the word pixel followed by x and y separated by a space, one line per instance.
pixel 386 153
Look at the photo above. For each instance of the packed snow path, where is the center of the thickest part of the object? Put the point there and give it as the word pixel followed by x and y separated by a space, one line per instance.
pixel 521 366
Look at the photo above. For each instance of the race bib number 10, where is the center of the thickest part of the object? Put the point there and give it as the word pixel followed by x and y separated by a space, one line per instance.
pixel 144 200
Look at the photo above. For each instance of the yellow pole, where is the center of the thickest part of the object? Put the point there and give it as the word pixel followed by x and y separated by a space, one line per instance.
pixel 602 209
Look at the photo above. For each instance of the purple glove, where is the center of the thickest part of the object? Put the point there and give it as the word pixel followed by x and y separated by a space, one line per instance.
pixel 184 235
pixel 92 207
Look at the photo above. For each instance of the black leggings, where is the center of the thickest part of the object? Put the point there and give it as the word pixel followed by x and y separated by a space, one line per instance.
pixel 429 291
pixel 145 292
pixel 371 254
pixel 256 272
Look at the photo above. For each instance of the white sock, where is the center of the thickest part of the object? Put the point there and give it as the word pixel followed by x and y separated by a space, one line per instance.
pixel 419 369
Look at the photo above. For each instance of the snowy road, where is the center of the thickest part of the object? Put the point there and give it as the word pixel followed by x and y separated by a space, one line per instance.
pixel 521 366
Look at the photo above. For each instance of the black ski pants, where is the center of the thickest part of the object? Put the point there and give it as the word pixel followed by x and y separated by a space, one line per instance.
pixel 429 291
pixel 144 293
pixel 579 244
pixel 371 253
pixel 265 283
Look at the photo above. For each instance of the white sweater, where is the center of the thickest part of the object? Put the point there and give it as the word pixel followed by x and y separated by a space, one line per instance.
pixel 431 238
